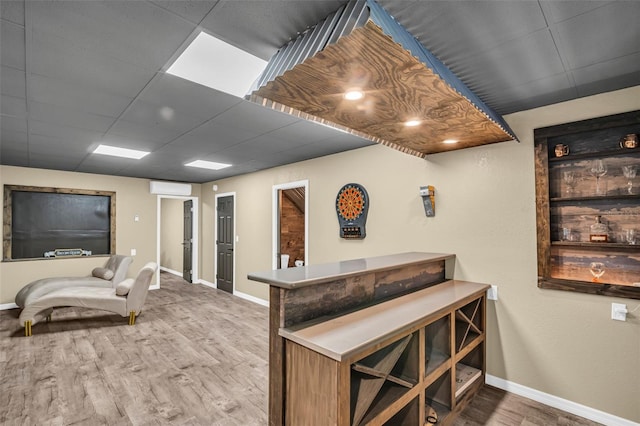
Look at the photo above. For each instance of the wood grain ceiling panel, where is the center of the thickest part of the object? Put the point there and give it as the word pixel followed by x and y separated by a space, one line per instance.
pixel 397 86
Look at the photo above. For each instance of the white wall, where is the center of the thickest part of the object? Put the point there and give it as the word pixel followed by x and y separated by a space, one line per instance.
pixel 556 342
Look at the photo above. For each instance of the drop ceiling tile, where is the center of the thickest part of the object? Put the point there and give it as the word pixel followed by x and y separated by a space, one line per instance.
pixel 261 27
pixel 52 56
pixel 66 116
pixel 266 144
pixel 58 92
pixel 141 136
pixel 253 117
pixel 191 10
pixel 60 132
pixel 607 76
pixel 14 124
pixel 345 141
pixel 14 157
pixel 234 155
pixel 186 97
pixel 303 132
pixel 160 118
pixel 559 11
pixel 52 161
pixel 12 82
pixel 135 32
pixel 10 105
pixel 212 137
pixel 13 140
pixel 556 87
pixel 507 66
pixel 582 46
pixel 12 54
pixel 13 11
pixel 452 30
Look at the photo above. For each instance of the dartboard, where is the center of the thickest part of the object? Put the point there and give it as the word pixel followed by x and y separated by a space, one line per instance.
pixel 350 202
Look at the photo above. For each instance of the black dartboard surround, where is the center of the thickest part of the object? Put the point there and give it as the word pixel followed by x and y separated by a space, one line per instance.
pixel 352 206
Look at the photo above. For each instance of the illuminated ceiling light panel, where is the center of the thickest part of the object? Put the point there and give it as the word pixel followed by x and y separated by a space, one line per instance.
pixel 353 95
pixel 211 165
pixel 218 65
pixel 120 152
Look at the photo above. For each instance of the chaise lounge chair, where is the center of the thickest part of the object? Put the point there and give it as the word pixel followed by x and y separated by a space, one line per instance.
pixel 113 272
pixel 125 299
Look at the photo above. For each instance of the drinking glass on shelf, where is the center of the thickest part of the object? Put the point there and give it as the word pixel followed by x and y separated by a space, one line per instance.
pixel 598 169
pixel 597 270
pixel 630 173
pixel 570 179
pixel 630 236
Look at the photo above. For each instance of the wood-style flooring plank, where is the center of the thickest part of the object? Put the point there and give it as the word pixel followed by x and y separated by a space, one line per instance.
pixel 196 356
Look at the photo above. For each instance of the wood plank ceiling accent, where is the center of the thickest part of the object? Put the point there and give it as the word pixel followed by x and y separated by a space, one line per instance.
pixel 397 87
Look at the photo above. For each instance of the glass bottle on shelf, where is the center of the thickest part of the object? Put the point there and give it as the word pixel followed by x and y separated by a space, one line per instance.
pixel 599 232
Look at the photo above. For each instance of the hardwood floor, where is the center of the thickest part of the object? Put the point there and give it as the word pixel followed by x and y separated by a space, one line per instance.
pixel 196 356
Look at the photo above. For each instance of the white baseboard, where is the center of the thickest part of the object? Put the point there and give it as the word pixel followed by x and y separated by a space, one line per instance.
pixel 6 306
pixel 251 298
pixel 559 403
pixel 171 271
pixel 207 283
pixel 240 294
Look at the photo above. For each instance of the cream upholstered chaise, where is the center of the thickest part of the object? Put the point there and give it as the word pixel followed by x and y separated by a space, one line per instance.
pixel 114 271
pixel 125 299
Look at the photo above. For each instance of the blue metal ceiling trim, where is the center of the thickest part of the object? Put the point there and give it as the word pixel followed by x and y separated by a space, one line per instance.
pixel 400 35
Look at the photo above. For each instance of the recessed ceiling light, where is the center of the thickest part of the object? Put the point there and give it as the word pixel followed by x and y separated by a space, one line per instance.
pixel 412 123
pixel 450 141
pixel 120 152
pixel 211 165
pixel 218 65
pixel 353 95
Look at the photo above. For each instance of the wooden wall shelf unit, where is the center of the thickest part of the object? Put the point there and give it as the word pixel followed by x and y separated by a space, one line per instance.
pixel 383 337
pixel 569 197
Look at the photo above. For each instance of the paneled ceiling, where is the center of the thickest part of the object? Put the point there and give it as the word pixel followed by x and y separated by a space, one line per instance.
pixel 78 73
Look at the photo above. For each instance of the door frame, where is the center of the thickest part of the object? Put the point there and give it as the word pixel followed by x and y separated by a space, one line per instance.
pixel 275 219
pixel 215 238
pixel 195 276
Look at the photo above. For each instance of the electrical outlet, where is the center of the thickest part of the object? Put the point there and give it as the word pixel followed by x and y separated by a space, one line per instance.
pixel 619 311
pixel 133 252
pixel 492 293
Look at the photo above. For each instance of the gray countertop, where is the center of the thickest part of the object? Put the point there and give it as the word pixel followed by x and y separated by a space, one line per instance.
pixel 290 278
pixel 341 337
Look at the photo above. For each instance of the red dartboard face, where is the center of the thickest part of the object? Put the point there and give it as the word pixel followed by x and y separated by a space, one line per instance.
pixel 350 202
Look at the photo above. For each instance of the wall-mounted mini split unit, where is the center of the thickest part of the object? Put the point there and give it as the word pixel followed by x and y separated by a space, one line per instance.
pixel 169 188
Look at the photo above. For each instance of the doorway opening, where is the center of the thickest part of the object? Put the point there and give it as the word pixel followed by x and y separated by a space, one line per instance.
pixel 225 238
pixel 177 237
pixel 290 224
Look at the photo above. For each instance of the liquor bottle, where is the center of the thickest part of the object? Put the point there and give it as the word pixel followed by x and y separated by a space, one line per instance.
pixel 599 232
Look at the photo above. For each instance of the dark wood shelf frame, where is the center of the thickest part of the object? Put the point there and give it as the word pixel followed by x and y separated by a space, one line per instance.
pixel 563 265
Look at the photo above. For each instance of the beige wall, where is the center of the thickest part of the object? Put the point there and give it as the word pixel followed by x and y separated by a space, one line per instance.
pixel 171 225
pixel 132 198
pixel 556 342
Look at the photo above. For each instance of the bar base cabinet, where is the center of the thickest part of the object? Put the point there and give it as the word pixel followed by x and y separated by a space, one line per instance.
pixel 414 360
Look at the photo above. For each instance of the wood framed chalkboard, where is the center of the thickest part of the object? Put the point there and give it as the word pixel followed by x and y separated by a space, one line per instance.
pixel 41 222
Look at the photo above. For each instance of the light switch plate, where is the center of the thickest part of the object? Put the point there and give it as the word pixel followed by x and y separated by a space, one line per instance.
pixel 619 311
pixel 492 293
pixel 133 252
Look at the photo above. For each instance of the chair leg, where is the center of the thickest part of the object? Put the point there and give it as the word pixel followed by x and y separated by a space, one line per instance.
pixel 27 328
pixel 132 318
